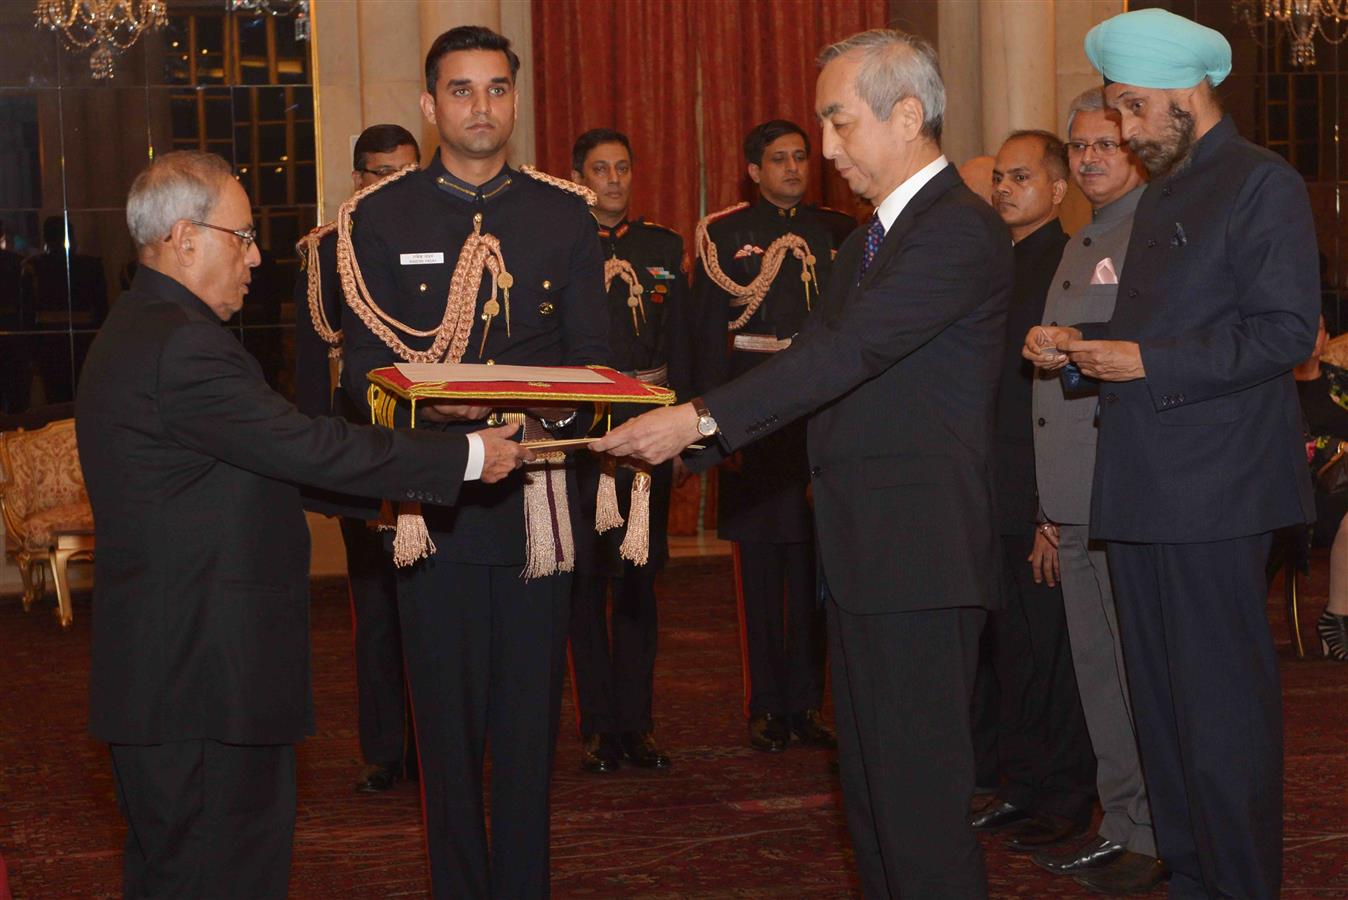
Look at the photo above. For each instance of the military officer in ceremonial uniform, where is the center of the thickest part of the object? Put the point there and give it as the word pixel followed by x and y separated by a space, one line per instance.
pixel 647 314
pixel 485 646
pixel 380 151
pixel 760 270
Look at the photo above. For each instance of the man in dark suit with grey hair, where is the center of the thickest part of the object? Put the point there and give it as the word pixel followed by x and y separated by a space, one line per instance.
pixel 897 373
pixel 199 676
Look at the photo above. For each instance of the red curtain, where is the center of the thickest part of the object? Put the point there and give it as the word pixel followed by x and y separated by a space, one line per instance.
pixel 645 66
pixel 624 64
pixel 758 63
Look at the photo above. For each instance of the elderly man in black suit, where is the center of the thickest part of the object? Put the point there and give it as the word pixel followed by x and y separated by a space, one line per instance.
pixel 897 372
pixel 200 660
pixel 1200 455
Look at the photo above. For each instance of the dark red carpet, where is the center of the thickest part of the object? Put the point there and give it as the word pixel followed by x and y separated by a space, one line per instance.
pixel 724 822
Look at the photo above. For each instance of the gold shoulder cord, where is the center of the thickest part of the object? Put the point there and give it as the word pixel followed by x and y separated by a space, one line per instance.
pixel 750 296
pixel 562 184
pixel 307 250
pixel 621 268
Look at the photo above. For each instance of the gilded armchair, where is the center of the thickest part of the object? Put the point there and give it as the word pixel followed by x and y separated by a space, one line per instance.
pixel 48 521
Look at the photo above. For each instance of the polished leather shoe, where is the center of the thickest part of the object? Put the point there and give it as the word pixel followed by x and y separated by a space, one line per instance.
pixel 378 778
pixel 996 816
pixel 769 733
pixel 1041 832
pixel 1093 854
pixel 1130 873
pixel 641 750
pixel 808 727
pixel 602 754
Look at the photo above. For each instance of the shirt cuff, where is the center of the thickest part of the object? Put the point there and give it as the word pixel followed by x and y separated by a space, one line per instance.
pixel 477 455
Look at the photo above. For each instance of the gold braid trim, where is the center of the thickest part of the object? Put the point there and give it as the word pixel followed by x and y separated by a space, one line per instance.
pixel 480 253
pixel 750 296
pixel 621 268
pixel 307 249
pixel 562 184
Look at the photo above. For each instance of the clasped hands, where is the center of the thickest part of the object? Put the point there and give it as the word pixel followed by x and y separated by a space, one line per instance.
pixel 1050 347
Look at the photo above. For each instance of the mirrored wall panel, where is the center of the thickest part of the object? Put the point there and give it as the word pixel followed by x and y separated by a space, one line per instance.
pixel 236 84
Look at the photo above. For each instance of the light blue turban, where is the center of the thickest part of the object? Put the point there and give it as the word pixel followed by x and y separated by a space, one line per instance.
pixel 1152 48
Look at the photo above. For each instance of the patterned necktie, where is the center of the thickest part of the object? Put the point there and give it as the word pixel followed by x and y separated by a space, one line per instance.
pixel 874 235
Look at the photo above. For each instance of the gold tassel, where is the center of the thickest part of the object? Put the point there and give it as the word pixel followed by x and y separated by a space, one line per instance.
pixel 411 541
pixel 547 519
pixel 606 513
pixel 636 545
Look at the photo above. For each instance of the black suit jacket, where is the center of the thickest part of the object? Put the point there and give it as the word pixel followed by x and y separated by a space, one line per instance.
pixel 1037 257
pixel 1221 292
pixel 898 375
pixel 200 618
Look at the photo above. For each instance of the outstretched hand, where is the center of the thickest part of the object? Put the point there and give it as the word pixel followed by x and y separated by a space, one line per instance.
pixel 654 437
pixel 501 455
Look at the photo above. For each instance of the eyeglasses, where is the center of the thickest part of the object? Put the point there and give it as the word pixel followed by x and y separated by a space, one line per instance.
pixel 382 171
pixel 1104 146
pixel 247 235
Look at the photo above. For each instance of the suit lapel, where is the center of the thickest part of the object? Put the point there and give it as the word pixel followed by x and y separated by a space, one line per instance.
pixel 931 192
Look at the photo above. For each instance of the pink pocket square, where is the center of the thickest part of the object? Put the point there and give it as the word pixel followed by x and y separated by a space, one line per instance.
pixel 1104 272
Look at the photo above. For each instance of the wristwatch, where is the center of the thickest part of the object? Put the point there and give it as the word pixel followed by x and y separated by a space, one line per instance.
pixel 706 425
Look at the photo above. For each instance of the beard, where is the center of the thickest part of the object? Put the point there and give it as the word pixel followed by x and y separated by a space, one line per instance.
pixel 1170 151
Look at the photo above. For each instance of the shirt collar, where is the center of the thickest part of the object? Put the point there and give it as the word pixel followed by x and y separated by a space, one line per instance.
pixel 1044 234
pixel 166 287
pixel 768 207
pixel 1119 209
pixel 472 193
pixel 616 231
pixel 890 207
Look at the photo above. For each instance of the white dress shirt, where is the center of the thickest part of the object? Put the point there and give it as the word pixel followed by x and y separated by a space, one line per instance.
pixel 891 206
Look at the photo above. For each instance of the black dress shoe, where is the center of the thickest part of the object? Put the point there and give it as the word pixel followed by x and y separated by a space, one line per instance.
pixel 1130 873
pixel 808 727
pixel 1093 854
pixel 996 816
pixel 1041 832
pixel 640 748
pixel 602 754
pixel 769 732
pixel 378 778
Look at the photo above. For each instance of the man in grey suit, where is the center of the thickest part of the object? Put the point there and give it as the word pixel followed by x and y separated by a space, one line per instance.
pixel 1123 852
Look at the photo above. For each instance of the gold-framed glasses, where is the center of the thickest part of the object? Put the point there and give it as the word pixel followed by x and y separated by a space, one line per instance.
pixel 247 235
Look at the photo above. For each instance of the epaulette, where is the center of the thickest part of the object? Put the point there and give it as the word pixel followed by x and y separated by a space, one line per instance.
pixel 562 184
pixel 649 224
pixel 734 208
pixel 313 238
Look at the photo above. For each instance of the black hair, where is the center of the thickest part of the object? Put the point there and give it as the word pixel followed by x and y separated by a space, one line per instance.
pixel 593 138
pixel 381 139
pixel 467 37
pixel 760 136
pixel 1055 151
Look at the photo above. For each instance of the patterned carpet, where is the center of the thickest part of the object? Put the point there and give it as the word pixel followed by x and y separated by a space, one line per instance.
pixel 724 822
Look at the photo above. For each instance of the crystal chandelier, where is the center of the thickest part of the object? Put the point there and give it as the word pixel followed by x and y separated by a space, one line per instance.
pixel 113 25
pixel 297 8
pixel 1303 19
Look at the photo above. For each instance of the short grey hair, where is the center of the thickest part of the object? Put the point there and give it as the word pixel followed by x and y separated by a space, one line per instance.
pixel 184 184
pixel 1089 100
pixel 895 65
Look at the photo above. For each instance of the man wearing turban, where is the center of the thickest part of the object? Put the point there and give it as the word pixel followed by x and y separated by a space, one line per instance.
pixel 1200 455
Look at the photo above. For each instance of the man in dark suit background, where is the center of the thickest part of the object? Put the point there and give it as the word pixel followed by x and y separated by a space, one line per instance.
pixel 1048 771
pixel 200 661
pixel 1200 455
pixel 898 374
pixel 380 151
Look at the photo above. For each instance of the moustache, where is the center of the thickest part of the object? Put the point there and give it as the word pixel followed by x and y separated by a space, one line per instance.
pixel 1090 170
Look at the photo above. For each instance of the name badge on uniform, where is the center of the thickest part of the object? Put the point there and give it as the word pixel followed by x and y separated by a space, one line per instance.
pixel 421 259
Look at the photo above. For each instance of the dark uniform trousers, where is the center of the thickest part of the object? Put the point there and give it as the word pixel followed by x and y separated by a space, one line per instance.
pixel 614 662
pixel 379 655
pixel 1211 748
pixel 485 650
pixel 782 621
pixel 206 819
